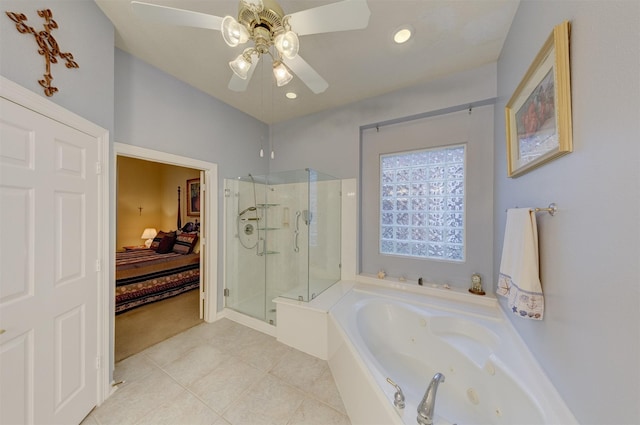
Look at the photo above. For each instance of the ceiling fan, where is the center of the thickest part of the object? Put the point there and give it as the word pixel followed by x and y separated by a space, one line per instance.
pixel 272 32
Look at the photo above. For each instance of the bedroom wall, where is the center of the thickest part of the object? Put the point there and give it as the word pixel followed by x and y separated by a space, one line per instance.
pixel 589 340
pixel 154 187
pixel 138 185
pixel 173 177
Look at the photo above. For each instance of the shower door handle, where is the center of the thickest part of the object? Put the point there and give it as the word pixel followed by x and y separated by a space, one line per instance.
pixel 296 232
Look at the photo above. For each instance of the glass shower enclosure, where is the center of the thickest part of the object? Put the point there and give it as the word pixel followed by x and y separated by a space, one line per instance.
pixel 282 239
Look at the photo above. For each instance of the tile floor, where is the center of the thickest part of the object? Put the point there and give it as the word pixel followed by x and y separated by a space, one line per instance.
pixel 222 373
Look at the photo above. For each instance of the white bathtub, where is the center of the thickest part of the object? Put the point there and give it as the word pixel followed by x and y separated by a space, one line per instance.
pixel 491 377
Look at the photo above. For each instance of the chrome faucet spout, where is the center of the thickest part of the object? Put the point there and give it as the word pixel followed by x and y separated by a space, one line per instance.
pixel 427 405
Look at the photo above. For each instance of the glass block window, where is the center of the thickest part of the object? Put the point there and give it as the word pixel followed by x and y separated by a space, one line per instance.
pixel 422 203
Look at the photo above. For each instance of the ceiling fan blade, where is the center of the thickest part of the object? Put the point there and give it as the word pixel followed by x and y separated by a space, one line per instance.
pixel 307 74
pixel 173 16
pixel 341 16
pixel 238 84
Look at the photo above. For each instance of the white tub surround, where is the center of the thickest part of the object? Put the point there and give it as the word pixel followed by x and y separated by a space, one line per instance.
pixel 304 325
pixel 409 333
pixel 429 289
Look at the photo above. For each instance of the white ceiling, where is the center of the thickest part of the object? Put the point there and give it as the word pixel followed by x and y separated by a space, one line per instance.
pixel 450 36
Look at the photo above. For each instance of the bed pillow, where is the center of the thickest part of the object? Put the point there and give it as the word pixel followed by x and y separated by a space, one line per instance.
pixel 166 244
pixel 185 242
pixel 156 241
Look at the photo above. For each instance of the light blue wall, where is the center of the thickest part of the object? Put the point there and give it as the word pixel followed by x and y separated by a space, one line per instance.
pixel 330 142
pixel 588 342
pixel 83 31
pixel 156 111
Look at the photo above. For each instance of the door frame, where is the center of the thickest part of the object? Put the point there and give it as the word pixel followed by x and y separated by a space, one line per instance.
pixel 208 236
pixel 32 101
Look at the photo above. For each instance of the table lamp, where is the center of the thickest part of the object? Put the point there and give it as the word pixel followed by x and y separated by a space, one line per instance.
pixel 148 234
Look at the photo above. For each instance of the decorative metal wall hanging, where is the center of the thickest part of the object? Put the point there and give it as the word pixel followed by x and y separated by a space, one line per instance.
pixel 48 46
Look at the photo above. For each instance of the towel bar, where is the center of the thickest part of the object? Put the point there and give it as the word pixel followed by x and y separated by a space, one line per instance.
pixel 552 209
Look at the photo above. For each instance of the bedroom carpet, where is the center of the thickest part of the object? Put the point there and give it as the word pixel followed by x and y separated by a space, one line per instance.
pixel 145 326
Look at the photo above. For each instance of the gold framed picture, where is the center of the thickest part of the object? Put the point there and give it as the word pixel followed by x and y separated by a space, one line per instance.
pixel 193 198
pixel 538 115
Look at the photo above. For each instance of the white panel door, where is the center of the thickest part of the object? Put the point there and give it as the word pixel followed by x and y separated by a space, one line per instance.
pixel 48 279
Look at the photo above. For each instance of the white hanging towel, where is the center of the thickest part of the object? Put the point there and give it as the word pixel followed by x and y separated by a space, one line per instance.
pixel 519 279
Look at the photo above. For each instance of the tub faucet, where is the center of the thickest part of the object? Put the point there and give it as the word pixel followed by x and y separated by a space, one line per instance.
pixel 427 405
pixel 398 397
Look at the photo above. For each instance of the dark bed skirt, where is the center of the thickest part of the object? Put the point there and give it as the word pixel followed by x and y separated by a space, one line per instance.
pixel 130 305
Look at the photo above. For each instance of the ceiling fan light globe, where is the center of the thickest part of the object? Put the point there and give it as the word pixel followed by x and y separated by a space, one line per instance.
pixel 240 66
pixel 233 32
pixel 287 44
pixel 281 73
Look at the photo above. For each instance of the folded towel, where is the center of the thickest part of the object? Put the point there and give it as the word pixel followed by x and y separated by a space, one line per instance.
pixel 519 279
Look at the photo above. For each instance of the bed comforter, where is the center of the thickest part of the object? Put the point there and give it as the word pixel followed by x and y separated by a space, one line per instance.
pixel 144 276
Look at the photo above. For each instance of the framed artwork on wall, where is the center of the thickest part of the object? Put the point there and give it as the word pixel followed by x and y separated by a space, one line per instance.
pixel 538 115
pixel 193 197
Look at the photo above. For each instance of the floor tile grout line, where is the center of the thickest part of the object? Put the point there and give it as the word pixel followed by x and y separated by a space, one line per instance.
pixel 242 394
pixel 231 403
pixel 232 351
pixel 314 397
pixel 184 389
pixel 221 414
pixel 160 368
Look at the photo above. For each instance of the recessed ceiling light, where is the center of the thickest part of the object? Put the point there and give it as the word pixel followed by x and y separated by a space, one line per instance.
pixel 402 34
pixel 291 95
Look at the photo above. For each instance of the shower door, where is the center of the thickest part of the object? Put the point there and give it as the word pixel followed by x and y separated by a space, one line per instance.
pixel 324 228
pixel 244 239
pixel 286 261
pixel 304 214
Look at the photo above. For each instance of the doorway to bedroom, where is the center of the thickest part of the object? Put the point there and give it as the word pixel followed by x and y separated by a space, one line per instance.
pixel 156 281
pixel 160 260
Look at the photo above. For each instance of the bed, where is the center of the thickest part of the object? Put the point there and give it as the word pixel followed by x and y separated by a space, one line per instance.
pixel 144 276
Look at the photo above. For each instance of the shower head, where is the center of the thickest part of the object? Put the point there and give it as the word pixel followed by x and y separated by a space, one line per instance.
pixel 241 213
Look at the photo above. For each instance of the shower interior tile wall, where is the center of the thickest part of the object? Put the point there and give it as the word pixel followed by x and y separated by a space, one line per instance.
pixel 283 274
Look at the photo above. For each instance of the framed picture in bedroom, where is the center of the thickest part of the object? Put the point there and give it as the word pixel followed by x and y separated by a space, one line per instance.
pixel 193 197
pixel 538 115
